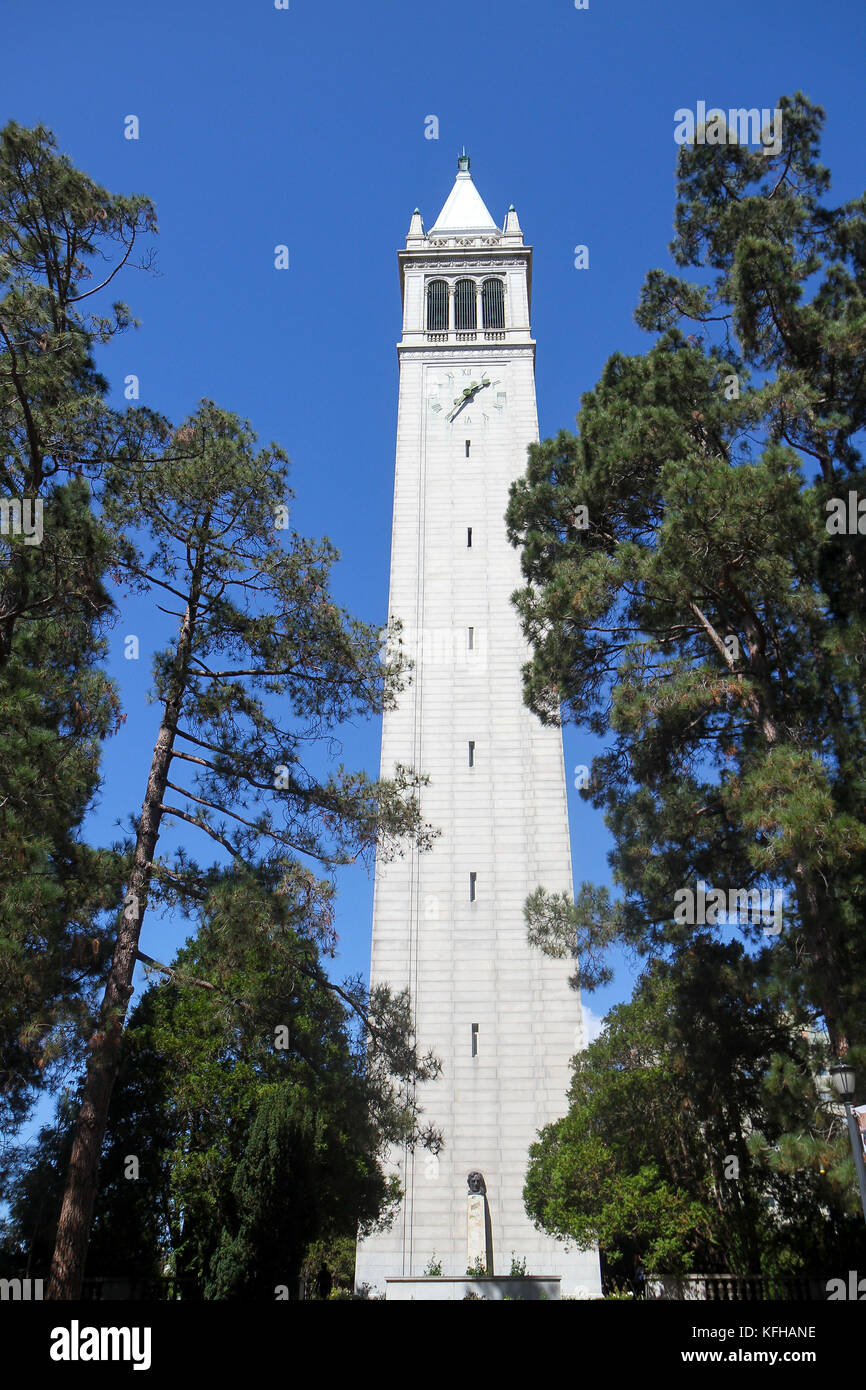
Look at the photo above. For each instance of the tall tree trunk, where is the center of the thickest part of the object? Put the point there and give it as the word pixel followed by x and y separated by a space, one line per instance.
pixel 73 1231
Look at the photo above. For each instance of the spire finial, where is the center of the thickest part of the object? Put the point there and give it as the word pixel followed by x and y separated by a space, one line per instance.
pixel 463 162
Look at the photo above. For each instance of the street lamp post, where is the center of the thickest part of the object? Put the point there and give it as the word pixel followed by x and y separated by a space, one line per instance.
pixel 842 1077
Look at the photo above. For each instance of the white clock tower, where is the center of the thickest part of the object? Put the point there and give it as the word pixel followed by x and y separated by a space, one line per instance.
pixel 448 924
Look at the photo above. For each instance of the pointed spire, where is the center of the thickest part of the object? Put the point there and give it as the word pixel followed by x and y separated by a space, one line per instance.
pixel 416 228
pixel 512 226
pixel 464 209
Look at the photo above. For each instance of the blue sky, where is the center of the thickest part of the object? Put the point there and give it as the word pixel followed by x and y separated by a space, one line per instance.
pixel 306 127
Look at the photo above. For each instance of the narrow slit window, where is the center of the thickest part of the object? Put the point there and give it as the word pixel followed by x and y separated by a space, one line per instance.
pixel 465 305
pixel 468 446
pixel 471 753
pixel 437 306
pixel 472 639
pixel 473 883
pixel 493 304
pixel 475 1040
pixel 469 537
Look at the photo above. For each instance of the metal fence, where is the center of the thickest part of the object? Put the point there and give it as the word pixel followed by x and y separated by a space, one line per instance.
pixel 736 1288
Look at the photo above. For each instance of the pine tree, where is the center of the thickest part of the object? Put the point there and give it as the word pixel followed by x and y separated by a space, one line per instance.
pixel 56 707
pixel 687 597
pixel 56 704
pixel 264 666
pixel 55 222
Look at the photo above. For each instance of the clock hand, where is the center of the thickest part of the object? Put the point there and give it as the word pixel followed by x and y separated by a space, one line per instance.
pixel 469 393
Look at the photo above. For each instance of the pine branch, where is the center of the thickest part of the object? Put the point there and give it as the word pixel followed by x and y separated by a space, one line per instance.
pixel 181 978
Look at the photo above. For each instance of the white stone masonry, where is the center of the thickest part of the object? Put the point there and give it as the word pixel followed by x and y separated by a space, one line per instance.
pixel 448 924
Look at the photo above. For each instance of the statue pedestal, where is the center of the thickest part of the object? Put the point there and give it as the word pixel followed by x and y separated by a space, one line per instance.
pixel 479 1245
pixel 476 1231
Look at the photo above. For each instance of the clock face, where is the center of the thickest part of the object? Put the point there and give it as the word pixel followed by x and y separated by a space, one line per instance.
pixel 450 394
